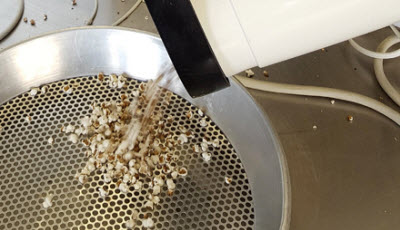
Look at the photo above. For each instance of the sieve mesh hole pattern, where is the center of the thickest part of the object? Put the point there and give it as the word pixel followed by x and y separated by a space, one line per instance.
pixel 31 168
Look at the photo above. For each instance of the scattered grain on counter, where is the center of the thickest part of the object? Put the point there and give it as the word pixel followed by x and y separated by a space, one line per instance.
pixel 45 17
pixel 33 22
pixel 249 73
pixel 266 74
pixel 350 118
pixel 25 19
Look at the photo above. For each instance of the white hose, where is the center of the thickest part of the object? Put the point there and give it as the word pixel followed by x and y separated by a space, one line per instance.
pixel 126 15
pixel 91 19
pixel 380 73
pixel 373 54
pixel 321 92
pixel 15 21
pixel 395 30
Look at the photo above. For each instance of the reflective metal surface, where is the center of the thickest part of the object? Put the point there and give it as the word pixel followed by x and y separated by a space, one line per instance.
pixel 10 14
pixel 59 16
pixel 31 168
pixel 343 175
pixel 63 15
pixel 83 52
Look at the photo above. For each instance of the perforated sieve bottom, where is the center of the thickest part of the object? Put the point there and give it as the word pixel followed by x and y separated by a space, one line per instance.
pixel 31 168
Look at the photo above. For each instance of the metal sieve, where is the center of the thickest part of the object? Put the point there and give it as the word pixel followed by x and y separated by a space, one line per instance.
pixel 30 167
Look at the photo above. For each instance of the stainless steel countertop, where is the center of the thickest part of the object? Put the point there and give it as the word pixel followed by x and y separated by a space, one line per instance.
pixel 343 175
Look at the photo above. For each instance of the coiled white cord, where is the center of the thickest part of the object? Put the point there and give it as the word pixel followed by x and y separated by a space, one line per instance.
pixel 321 92
pixel 373 54
pixel 395 30
pixel 342 94
pixel 378 62
pixel 379 55
pixel 380 73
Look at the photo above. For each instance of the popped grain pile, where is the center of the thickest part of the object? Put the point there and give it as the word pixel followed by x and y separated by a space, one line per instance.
pixel 127 142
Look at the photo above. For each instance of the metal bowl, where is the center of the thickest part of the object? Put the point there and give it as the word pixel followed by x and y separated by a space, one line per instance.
pixel 87 51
